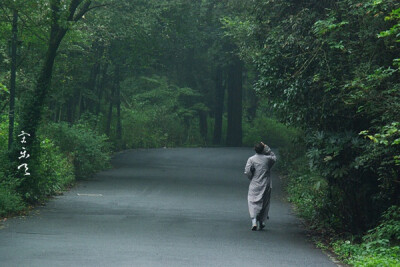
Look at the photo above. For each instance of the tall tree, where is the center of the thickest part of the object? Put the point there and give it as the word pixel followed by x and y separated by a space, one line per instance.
pixel 61 21
pixel 14 43
pixel 235 86
pixel 219 105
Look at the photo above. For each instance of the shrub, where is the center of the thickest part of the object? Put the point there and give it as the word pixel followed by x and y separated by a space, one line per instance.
pixel 379 247
pixel 10 201
pixel 151 128
pixel 160 114
pixel 388 229
pixel 308 191
pixel 56 170
pixel 272 132
pixel 88 150
pixel 63 151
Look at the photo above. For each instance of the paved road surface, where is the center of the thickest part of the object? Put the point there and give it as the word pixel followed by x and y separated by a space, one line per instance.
pixel 160 207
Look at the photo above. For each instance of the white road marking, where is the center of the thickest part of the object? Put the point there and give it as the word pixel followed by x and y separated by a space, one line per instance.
pixel 90 195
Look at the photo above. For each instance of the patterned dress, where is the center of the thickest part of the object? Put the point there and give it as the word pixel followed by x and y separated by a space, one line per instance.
pixel 258 171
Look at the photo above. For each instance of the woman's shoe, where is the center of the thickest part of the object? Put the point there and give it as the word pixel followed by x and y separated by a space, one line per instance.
pixel 254 223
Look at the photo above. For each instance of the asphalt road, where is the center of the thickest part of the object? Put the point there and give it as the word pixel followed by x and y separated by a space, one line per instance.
pixel 160 207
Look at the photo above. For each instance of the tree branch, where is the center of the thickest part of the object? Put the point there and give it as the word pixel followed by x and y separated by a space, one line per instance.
pixel 93 7
pixel 5 14
pixel 30 28
pixel 72 9
pixel 84 9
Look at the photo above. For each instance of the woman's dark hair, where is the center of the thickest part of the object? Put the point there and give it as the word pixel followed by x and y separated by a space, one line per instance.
pixel 259 148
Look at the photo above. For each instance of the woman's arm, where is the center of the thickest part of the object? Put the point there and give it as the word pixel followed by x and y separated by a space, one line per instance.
pixel 270 155
pixel 249 169
pixel 267 150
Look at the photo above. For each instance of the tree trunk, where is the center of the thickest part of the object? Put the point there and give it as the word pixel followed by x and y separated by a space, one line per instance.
pixel 54 107
pixel 92 83
pixel 219 106
pixel 60 113
pixel 33 105
pixel 110 108
pixel 252 103
pixel 100 87
pixel 81 106
pixel 118 106
pixel 234 131
pixel 30 118
pixel 70 109
pixel 13 77
pixel 203 124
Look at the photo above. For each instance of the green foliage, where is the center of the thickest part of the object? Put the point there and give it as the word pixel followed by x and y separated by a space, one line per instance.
pixel 322 27
pixel 389 135
pixel 10 201
pixel 395 30
pixel 161 114
pixel 147 129
pixel 56 170
pixel 388 229
pixel 308 192
pixel 3 88
pixel 380 246
pixel 269 130
pixel 88 151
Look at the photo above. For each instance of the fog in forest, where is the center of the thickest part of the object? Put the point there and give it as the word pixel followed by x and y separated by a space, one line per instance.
pixel 317 80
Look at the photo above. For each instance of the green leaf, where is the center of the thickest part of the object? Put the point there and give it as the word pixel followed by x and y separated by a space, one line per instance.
pixel 4 88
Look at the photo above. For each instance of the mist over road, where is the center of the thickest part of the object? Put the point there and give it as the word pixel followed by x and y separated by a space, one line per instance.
pixel 160 207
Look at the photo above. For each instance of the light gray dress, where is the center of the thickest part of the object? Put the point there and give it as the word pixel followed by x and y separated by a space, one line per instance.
pixel 258 171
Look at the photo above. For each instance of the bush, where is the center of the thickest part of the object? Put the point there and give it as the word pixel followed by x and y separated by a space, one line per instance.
pixel 88 150
pixel 64 151
pixel 307 191
pixel 380 246
pixel 272 132
pixel 388 229
pixel 160 114
pixel 361 178
pixel 151 128
pixel 10 201
pixel 56 170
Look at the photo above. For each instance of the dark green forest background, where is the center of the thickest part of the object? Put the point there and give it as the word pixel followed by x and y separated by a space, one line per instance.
pixel 317 79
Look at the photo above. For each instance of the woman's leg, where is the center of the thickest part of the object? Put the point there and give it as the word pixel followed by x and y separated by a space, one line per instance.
pixel 263 215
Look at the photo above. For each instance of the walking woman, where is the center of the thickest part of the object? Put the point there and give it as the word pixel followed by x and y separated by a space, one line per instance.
pixel 258 171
